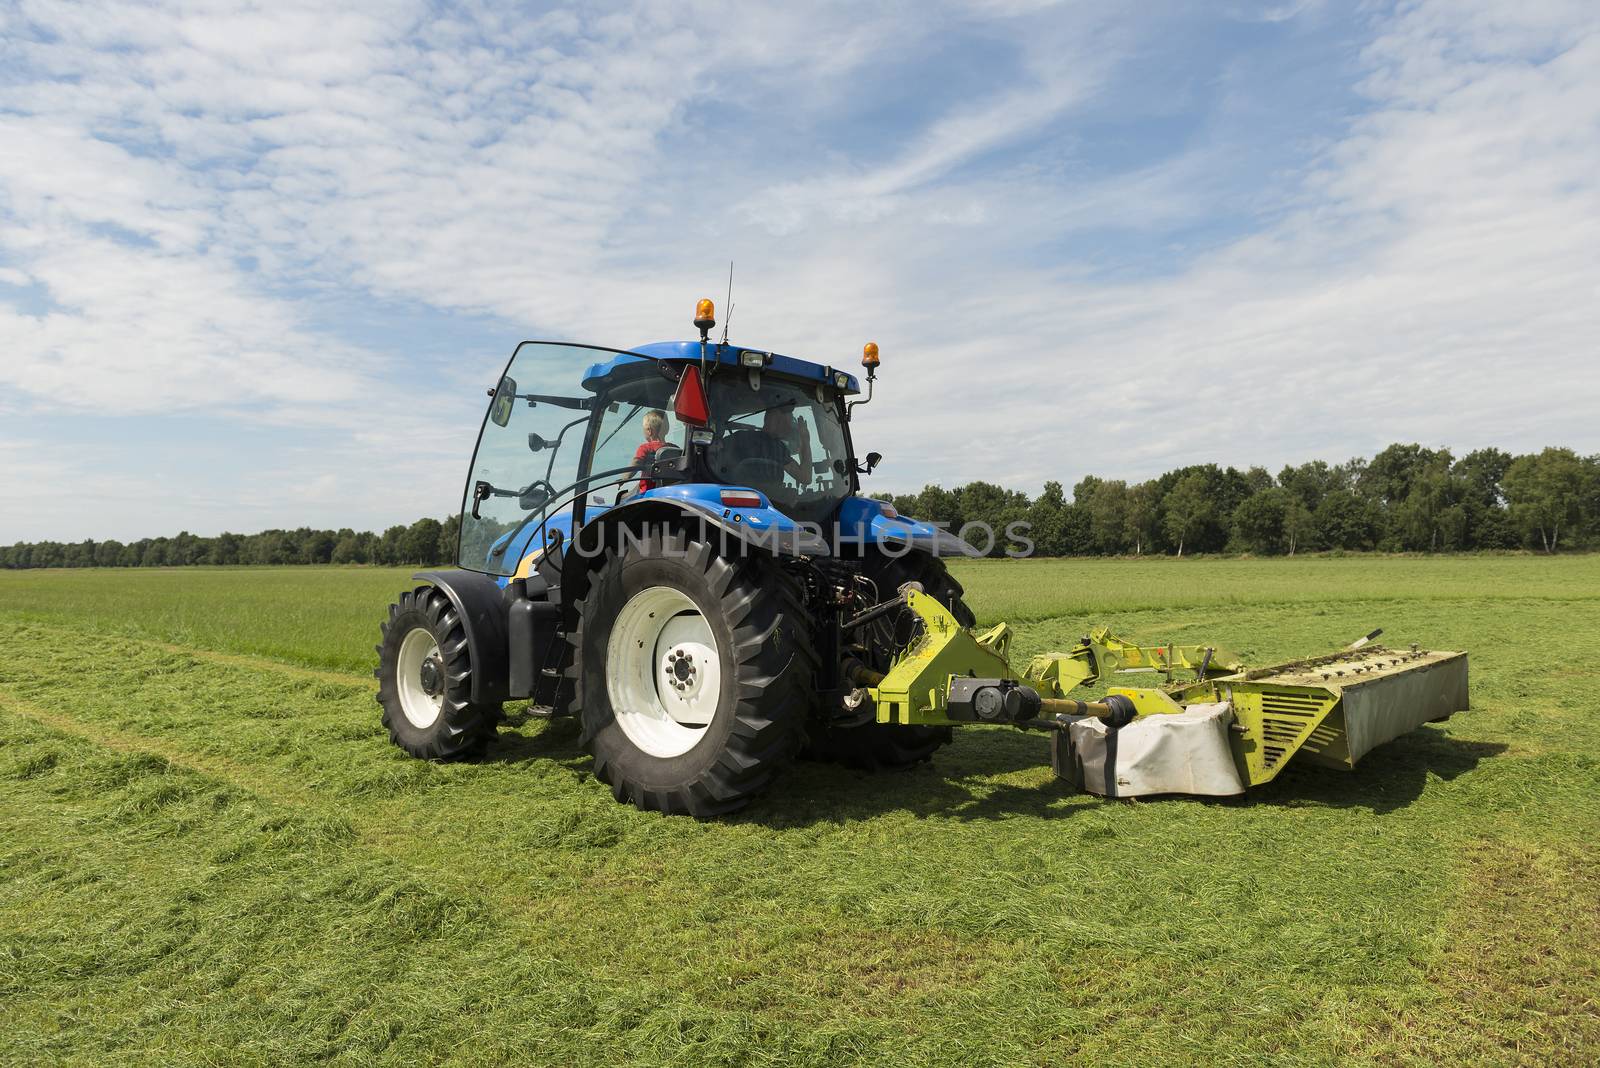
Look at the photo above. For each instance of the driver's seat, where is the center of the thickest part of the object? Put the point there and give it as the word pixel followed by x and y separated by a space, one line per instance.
pixel 663 455
pixel 750 457
pixel 749 444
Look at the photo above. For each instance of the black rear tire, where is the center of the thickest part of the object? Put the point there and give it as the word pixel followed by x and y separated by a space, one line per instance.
pixel 886 746
pixel 460 728
pixel 766 660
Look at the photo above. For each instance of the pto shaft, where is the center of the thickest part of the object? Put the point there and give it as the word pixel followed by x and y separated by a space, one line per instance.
pixel 1065 706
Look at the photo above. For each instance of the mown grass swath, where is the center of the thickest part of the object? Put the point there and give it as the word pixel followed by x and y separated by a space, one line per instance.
pixel 211 853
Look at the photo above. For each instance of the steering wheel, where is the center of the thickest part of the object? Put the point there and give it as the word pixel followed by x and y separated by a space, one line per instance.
pixel 756 470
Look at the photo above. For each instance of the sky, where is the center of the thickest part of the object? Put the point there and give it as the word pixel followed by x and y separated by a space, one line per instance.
pixel 259 263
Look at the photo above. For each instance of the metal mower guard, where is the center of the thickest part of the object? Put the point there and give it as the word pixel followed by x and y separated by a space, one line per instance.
pixel 1331 709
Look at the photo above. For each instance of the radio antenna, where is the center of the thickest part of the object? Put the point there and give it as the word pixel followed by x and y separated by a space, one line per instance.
pixel 728 318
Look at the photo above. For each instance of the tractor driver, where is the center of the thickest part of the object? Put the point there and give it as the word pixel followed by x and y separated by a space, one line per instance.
pixel 780 430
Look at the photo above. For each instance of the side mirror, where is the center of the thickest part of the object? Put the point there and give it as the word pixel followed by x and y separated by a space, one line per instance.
pixel 533 498
pixel 536 443
pixel 505 396
pixel 873 460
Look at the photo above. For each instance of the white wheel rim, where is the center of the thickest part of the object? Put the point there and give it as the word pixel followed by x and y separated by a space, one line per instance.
pixel 663 672
pixel 420 707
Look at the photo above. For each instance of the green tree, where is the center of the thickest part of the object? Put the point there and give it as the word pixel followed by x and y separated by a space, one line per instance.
pixel 1546 492
pixel 1299 525
pixel 420 543
pixel 1346 521
pixel 1224 489
pixel 225 549
pixel 1107 506
pixel 1258 522
pixel 932 504
pixel 992 505
pixel 1257 479
pixel 1144 502
pixel 390 551
pixel 1189 508
pixel 449 537
pixel 269 547
pixel 347 550
pixel 1589 506
pixel 1310 482
pixel 1048 516
pixel 185 550
pixel 1480 474
pixel 316 547
pixel 1388 477
pixel 1430 516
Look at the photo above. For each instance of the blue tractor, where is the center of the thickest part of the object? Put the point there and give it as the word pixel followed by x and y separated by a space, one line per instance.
pixel 676 553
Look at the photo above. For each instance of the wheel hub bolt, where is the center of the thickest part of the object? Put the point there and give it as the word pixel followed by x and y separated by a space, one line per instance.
pixel 680 669
pixel 431 677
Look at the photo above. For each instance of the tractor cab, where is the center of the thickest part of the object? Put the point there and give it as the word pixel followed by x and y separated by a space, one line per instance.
pixel 678 420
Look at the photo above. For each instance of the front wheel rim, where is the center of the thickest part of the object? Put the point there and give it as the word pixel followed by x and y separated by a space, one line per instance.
pixel 419 677
pixel 663 672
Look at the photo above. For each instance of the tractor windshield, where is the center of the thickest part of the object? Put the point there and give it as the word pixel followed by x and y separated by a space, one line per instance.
pixel 783 438
pixel 525 473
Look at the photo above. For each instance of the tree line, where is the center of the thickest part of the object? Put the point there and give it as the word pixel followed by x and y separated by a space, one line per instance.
pixel 1406 498
pixel 427 542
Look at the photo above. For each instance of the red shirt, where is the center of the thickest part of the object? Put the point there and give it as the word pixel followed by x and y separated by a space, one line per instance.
pixel 641 456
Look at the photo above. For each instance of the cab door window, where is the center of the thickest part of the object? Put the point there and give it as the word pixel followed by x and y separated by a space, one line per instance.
pixel 635 422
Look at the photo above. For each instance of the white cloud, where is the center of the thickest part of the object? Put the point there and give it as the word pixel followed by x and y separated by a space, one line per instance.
pixel 1285 12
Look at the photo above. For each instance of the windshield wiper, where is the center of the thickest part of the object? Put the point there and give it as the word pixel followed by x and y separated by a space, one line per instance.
pixel 582 404
pixel 637 408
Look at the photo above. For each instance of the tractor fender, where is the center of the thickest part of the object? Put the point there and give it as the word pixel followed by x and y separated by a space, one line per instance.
pixel 933 541
pixel 762 529
pixel 866 521
pixel 477 600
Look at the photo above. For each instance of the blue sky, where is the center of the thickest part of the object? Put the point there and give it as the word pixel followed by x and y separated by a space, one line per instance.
pixel 257 265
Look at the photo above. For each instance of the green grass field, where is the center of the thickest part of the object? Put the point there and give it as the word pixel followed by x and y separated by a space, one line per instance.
pixel 210 853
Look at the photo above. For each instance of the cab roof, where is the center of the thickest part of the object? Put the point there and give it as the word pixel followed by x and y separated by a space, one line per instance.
pixel 729 354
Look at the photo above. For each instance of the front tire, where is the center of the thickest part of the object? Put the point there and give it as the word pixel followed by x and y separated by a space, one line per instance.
pixel 692 674
pixel 425 680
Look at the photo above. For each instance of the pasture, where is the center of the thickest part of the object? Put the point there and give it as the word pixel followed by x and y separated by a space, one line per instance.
pixel 210 853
